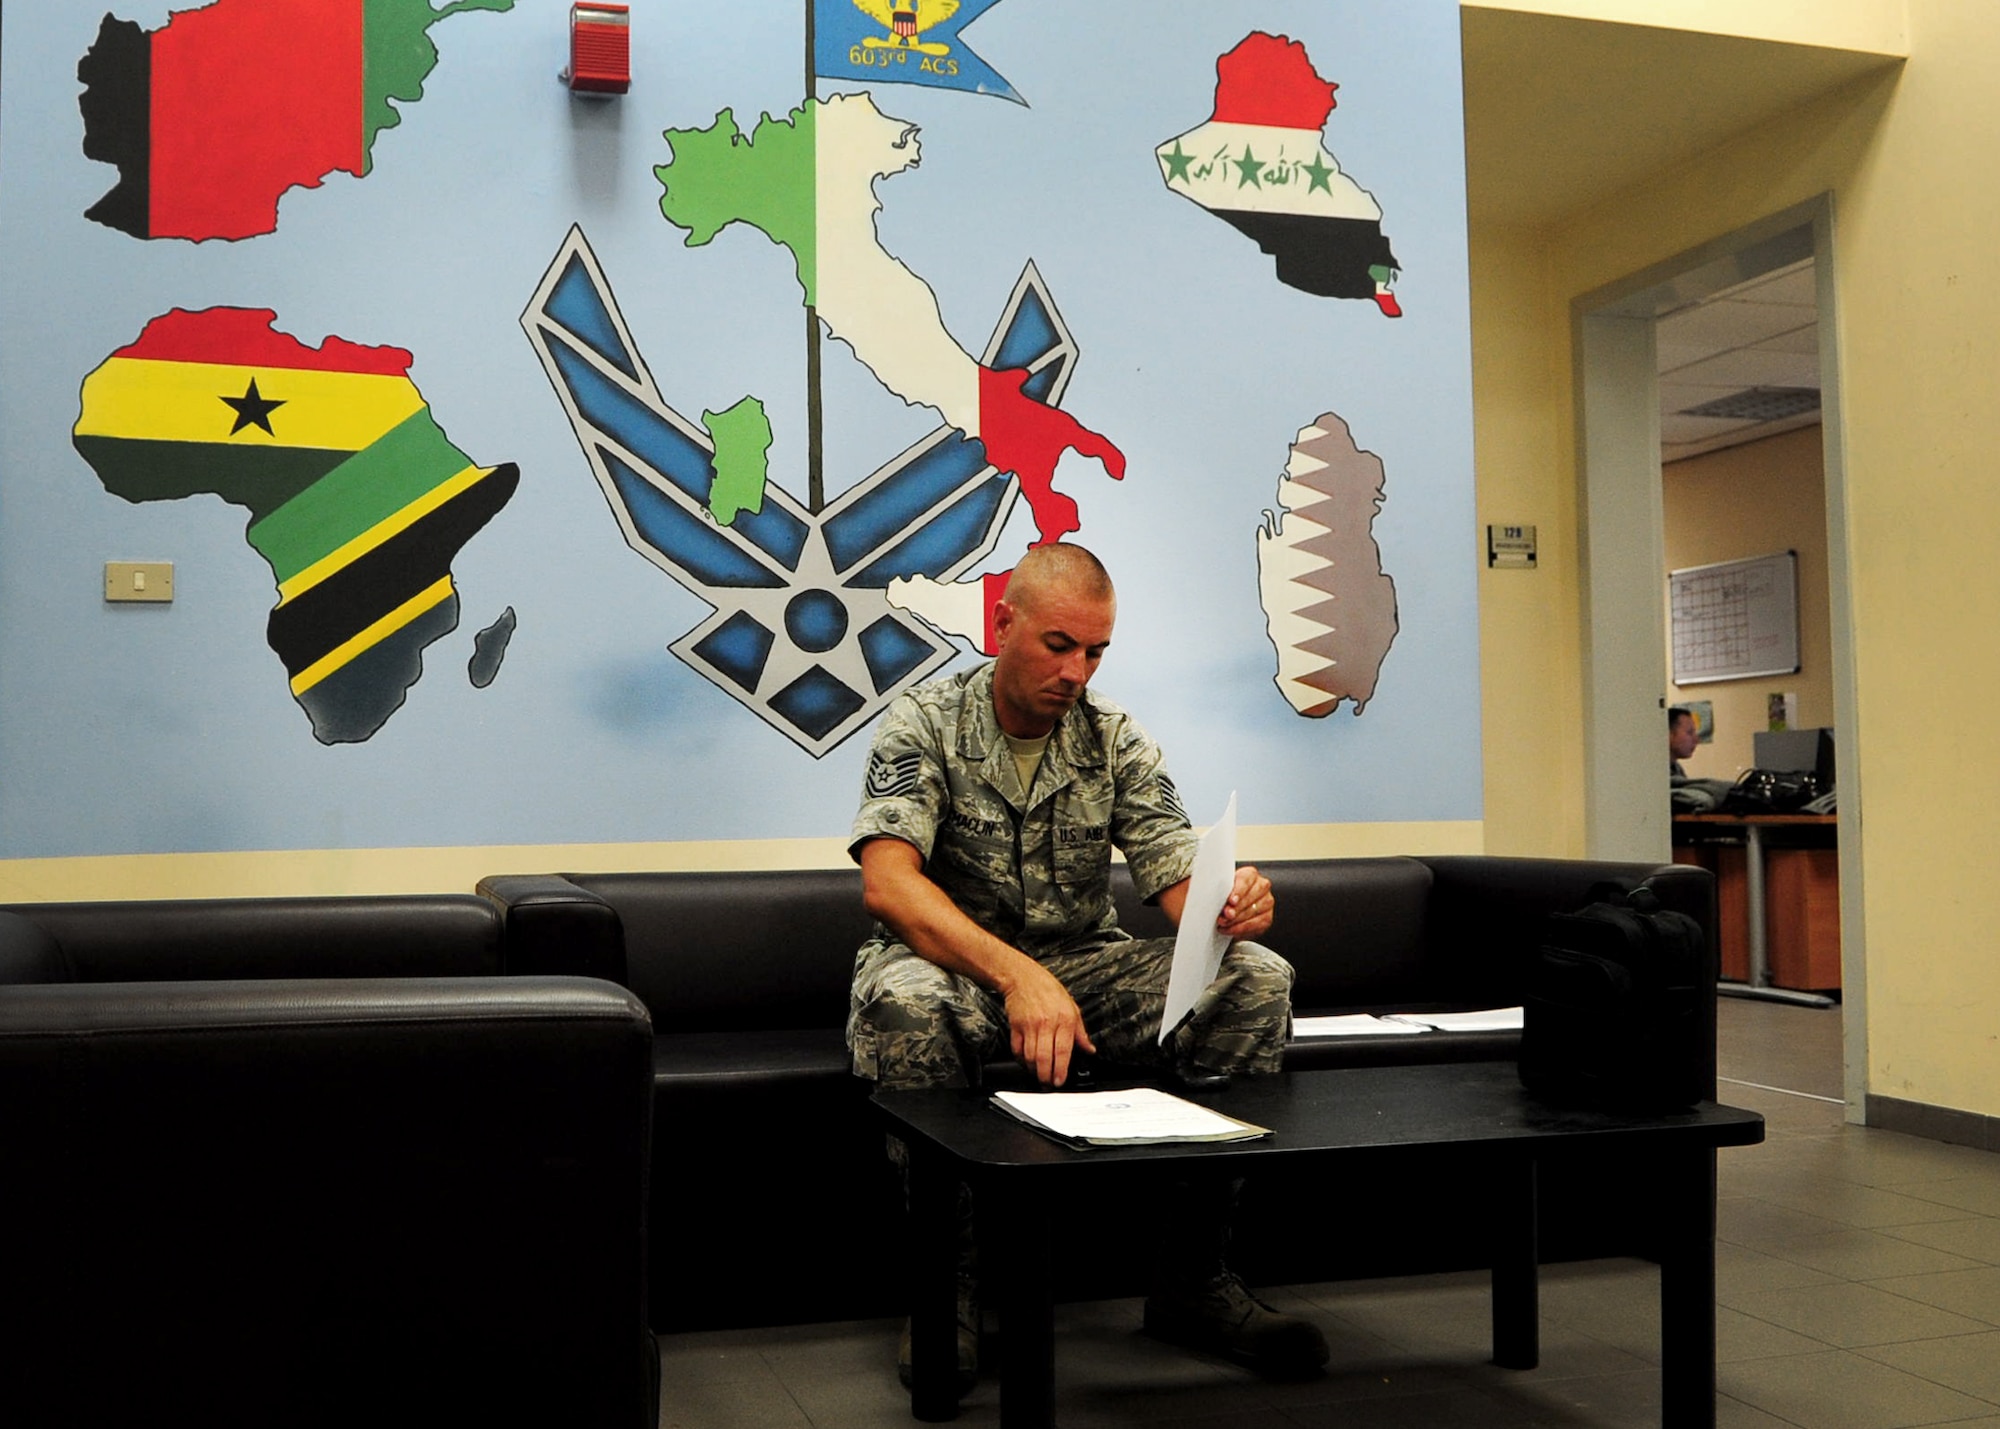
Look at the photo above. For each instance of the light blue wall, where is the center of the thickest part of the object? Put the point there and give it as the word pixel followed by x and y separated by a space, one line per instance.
pixel 152 729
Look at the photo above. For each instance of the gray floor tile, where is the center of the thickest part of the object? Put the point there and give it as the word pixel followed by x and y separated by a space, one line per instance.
pixel 1735 1414
pixel 1847 1316
pixel 800 1353
pixel 1975 1239
pixel 1779 1045
pixel 1970 1193
pixel 1747 1220
pixel 1872 1157
pixel 1966 1292
pixel 1785 1116
pixel 721 1357
pixel 1741 1271
pixel 1617 1401
pixel 1843 1390
pixel 1967 1363
pixel 732 1404
pixel 1453 1409
pixel 1425 1311
pixel 1866 1255
pixel 1864 1207
pixel 870 1399
pixel 1745 1337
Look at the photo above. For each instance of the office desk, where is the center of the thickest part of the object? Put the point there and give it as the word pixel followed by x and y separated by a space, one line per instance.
pixel 1334 1124
pixel 1800 886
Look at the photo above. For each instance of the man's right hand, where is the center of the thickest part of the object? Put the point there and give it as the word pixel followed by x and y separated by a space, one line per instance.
pixel 1044 1022
pixel 1043 1019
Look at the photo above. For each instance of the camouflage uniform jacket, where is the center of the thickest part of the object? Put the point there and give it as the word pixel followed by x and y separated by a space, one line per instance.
pixel 1031 867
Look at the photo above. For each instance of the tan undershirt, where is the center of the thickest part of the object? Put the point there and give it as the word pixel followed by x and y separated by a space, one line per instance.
pixel 1027 757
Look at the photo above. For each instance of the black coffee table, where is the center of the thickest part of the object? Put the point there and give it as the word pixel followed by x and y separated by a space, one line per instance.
pixel 1474 1115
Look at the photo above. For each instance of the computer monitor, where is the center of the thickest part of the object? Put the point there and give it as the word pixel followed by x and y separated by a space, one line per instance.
pixel 1806 751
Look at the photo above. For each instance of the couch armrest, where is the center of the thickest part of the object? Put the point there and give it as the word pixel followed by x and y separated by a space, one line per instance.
pixel 550 925
pixel 326 1200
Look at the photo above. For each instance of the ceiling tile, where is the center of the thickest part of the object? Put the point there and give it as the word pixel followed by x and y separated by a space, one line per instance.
pixel 1803 339
pixel 1676 428
pixel 1720 325
pixel 1792 285
pixel 1751 367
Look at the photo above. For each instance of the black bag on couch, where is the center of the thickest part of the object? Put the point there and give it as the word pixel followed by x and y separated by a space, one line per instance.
pixel 1611 1015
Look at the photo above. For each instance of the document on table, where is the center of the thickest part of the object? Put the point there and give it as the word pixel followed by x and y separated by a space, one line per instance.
pixel 1198 947
pixel 1142 1116
pixel 1492 1019
pixel 1356 1024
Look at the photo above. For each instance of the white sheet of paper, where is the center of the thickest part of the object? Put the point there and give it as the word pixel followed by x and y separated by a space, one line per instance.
pixel 1354 1024
pixel 1492 1019
pixel 1140 1114
pixel 1198 947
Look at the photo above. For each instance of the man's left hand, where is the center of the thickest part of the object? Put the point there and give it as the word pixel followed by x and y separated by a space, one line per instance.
pixel 1250 907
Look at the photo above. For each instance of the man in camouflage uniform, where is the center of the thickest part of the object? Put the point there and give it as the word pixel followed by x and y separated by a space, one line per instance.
pixel 992 802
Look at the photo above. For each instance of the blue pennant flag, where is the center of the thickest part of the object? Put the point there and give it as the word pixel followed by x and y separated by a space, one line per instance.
pixel 904 42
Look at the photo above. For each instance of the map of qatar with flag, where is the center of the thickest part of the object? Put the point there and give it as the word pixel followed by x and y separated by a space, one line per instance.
pixel 216 114
pixel 357 499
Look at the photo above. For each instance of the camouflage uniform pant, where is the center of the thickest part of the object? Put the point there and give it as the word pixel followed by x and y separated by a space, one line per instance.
pixel 911 1023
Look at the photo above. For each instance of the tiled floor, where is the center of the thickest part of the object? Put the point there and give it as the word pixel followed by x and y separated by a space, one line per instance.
pixel 1858 1280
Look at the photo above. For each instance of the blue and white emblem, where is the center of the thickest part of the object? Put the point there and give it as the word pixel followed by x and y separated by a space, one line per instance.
pixel 802 632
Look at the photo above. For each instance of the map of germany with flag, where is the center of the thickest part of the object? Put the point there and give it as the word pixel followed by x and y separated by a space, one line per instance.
pixel 357 499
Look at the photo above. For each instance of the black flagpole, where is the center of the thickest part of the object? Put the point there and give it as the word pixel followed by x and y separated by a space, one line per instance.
pixel 815 460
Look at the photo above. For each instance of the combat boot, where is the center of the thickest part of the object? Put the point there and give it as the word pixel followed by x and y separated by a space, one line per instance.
pixel 1202 1305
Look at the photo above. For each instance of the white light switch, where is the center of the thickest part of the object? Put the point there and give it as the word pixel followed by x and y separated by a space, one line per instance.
pixel 139 580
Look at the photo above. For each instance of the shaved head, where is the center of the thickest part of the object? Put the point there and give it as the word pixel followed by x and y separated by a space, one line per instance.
pixel 1050 629
pixel 1057 568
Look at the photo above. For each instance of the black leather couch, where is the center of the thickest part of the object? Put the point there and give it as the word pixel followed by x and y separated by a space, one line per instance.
pixel 316 1162
pixel 775 1202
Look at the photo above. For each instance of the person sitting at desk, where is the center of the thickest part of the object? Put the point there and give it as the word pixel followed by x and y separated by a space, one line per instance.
pixel 1682 737
pixel 992 801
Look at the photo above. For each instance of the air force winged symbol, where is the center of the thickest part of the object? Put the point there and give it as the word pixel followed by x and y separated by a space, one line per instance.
pixel 802 632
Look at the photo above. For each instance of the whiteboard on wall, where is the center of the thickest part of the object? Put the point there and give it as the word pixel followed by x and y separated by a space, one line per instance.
pixel 1734 620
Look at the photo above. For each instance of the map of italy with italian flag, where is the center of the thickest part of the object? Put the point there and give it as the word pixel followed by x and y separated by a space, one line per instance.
pixel 807 182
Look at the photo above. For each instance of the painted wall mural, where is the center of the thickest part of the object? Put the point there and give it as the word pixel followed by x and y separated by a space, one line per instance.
pixel 790 353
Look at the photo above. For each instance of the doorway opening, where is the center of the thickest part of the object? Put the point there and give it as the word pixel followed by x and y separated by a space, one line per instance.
pixel 1689 329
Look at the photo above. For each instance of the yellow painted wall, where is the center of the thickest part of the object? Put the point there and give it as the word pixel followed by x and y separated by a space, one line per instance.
pixel 1744 501
pixel 1874 25
pixel 1907 158
pixel 1530 661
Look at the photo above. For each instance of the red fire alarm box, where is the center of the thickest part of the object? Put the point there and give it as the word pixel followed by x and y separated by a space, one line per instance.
pixel 600 49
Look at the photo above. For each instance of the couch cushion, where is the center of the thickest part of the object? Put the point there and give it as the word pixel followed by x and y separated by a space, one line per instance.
pixel 28 954
pixel 702 1063
pixel 731 952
